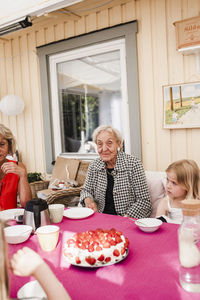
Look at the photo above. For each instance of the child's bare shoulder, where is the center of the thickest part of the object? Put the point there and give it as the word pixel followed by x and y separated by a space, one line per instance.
pixel 164 200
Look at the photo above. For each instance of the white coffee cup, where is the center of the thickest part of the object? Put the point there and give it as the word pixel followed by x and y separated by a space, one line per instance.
pixel 48 237
pixel 56 212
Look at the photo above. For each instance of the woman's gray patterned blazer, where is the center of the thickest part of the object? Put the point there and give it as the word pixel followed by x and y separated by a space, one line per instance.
pixel 130 191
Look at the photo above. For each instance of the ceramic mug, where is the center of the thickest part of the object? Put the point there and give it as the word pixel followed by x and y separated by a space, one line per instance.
pixel 56 212
pixel 48 237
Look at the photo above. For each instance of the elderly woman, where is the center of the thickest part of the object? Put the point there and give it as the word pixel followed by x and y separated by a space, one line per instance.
pixel 116 182
pixel 13 176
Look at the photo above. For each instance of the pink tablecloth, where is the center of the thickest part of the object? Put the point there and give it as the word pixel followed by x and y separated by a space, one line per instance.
pixel 150 270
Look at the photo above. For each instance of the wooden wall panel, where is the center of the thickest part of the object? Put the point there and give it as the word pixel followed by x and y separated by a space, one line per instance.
pixel 102 19
pixel 59 32
pixel 91 22
pixel 177 141
pixel 115 15
pixel 159 64
pixel 4 76
pixel 80 26
pixel 191 74
pixel 128 11
pixel 169 67
pixel 18 122
pixel 146 93
pixel 69 29
pixel 36 107
pixel 159 51
pixel 49 34
pixel 29 155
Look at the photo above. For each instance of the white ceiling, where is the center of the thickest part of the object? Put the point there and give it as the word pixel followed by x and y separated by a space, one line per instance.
pixel 101 72
pixel 12 11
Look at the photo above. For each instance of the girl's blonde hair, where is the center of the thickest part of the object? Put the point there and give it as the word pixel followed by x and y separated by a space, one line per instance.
pixel 6 133
pixel 108 128
pixel 188 176
pixel 4 283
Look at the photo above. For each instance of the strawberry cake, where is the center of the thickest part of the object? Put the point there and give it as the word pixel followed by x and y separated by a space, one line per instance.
pixel 96 247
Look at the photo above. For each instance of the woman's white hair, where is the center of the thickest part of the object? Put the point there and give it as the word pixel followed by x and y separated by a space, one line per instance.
pixel 108 128
pixel 6 133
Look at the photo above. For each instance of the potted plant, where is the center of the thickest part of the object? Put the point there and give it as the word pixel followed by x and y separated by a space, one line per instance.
pixel 32 177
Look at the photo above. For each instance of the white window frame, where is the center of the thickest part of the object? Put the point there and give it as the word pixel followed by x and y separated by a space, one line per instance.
pixel 118 44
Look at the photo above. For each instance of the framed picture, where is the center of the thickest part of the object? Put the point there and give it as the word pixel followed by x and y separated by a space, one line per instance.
pixel 182 105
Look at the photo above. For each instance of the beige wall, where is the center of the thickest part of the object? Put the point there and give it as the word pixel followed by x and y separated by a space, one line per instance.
pixel 159 64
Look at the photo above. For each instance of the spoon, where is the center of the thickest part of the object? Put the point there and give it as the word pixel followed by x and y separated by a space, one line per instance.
pixel 141 223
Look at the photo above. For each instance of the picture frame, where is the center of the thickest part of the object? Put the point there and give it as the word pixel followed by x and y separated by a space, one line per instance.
pixel 181 105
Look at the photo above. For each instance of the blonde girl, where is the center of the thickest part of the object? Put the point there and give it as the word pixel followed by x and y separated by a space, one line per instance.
pixel 183 182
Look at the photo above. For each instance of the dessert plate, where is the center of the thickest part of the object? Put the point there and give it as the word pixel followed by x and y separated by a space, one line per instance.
pixel 96 266
pixel 78 212
pixel 11 214
pixel 31 290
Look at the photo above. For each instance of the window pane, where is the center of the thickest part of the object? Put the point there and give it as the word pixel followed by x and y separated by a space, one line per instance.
pixel 89 95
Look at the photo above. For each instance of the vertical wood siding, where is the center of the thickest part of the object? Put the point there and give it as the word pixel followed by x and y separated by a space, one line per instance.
pixel 158 61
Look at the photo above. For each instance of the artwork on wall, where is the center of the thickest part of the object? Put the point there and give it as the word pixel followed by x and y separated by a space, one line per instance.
pixel 182 105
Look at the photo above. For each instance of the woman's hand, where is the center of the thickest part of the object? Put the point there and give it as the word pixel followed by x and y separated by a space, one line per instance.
pixel 25 262
pixel 11 167
pixel 23 185
pixel 126 216
pixel 90 204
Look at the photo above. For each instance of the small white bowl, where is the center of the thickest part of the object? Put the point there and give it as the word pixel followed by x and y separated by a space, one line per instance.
pixel 148 224
pixel 31 290
pixel 17 234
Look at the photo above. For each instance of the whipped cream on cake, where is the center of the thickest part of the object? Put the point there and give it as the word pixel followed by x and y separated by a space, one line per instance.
pixel 96 247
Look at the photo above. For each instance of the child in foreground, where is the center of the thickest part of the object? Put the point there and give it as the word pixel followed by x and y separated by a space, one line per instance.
pixel 26 262
pixel 183 182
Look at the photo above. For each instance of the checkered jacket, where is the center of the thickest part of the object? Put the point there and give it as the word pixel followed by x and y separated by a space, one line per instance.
pixel 130 191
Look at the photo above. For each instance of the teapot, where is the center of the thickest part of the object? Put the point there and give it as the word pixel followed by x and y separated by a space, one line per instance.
pixel 36 213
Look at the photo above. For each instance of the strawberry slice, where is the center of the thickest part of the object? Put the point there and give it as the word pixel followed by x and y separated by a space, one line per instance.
pixel 107 259
pixel 98 231
pixel 113 243
pixel 90 260
pixel 90 248
pixel 98 248
pixel 116 252
pixel 119 233
pixel 101 257
pixel 123 250
pixel 77 259
pixel 118 239
pixel 95 244
pixel 106 245
pixel 126 243
pixel 83 247
pixel 112 231
pixel 91 232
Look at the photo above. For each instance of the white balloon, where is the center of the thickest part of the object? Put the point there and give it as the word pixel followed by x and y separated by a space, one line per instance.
pixel 11 105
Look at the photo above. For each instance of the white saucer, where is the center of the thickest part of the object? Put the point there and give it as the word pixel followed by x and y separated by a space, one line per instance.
pixel 31 290
pixel 78 212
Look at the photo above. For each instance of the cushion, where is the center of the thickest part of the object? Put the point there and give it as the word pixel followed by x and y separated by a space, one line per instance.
pixel 157 188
